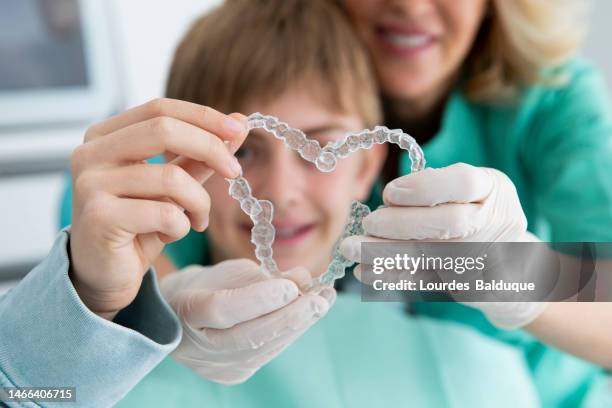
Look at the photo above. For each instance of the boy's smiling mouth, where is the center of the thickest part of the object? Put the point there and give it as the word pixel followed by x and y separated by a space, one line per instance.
pixel 292 233
pixel 287 233
pixel 267 233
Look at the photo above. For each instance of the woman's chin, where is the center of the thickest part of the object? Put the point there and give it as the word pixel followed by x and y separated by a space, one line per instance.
pixel 405 91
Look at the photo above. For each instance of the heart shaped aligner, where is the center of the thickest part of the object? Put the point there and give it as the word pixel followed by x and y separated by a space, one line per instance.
pixel 325 159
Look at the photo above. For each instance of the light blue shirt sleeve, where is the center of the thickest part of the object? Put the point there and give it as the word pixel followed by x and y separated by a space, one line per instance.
pixel 49 338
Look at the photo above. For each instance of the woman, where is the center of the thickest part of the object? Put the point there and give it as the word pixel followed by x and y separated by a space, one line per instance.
pixel 496 84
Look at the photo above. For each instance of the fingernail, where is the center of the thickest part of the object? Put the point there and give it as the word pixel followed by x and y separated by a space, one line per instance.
pixel 205 223
pixel 357 272
pixel 234 126
pixel 328 294
pixel 235 166
pixel 349 250
pixel 404 181
pixel 397 195
pixel 291 292
pixel 370 225
pixel 229 145
pixel 300 276
pixel 318 309
pixel 307 286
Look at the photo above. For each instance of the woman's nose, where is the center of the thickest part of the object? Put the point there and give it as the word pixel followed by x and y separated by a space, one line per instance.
pixel 411 8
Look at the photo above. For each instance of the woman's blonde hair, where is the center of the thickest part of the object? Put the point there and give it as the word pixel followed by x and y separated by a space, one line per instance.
pixel 521 42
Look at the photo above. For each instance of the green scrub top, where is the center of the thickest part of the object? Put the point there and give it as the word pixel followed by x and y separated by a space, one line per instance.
pixel 362 355
pixel 556 146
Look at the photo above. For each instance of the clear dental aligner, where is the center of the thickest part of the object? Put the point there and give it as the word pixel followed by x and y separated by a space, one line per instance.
pixel 339 263
pixel 261 213
pixel 325 159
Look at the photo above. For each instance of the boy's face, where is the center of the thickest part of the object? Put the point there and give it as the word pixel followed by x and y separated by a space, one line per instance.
pixel 310 207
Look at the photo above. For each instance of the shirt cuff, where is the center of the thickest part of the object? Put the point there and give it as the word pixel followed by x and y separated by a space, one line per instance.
pixel 49 338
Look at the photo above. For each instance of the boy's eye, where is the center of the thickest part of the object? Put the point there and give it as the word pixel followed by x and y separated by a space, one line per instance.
pixel 248 154
pixel 327 136
pixel 243 152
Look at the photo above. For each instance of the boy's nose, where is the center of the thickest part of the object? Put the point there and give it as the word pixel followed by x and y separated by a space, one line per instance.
pixel 283 181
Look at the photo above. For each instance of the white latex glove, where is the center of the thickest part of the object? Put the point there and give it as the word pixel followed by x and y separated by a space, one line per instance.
pixel 235 319
pixel 458 203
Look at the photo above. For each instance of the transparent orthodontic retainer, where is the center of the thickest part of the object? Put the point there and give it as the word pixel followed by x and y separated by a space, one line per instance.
pixel 325 159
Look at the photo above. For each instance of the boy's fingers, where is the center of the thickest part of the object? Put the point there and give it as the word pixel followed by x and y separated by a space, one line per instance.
pixel 224 126
pixel 136 217
pixel 235 142
pixel 199 170
pixel 150 138
pixel 154 181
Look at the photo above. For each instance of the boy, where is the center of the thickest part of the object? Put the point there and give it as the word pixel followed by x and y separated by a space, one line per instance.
pixel 301 63
pixel 298 60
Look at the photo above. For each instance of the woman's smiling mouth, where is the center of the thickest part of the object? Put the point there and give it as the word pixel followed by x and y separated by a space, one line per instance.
pixel 404 42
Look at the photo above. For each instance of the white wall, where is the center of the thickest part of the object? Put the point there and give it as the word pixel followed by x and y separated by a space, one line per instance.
pixel 148 33
pixel 145 35
pixel 599 42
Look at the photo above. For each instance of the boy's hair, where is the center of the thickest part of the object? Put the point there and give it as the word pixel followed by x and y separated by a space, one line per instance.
pixel 248 50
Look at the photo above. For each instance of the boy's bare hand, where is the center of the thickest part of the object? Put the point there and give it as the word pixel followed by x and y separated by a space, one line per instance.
pixel 125 210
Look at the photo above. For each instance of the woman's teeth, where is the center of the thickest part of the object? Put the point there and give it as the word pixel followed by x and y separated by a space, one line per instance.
pixel 407 40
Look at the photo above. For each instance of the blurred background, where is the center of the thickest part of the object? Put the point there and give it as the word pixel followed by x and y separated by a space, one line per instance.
pixel 65 64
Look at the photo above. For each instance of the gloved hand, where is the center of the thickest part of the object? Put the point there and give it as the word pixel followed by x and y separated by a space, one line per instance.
pixel 235 319
pixel 458 203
